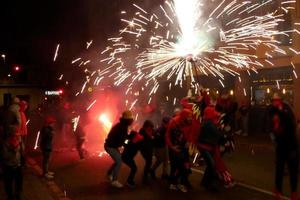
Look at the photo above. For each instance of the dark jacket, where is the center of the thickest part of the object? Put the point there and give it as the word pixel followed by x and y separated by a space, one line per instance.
pixel 285 134
pixel 117 135
pixel 147 143
pixel 177 137
pixel 160 137
pixel 131 148
pixel 209 134
pixel 46 138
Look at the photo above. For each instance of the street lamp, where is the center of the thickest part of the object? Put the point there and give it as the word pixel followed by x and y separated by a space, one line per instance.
pixel 3 56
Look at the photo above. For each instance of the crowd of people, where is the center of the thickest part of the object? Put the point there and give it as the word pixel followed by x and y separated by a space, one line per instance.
pixel 202 126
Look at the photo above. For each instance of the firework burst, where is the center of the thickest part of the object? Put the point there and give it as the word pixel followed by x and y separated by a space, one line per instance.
pixel 192 38
pixel 184 40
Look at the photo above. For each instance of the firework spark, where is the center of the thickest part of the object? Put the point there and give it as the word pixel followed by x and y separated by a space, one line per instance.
pixel 56 53
pixel 37 140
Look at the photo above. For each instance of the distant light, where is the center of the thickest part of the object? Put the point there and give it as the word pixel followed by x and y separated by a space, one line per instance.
pixel 3 56
pixel 17 68
pixel 217 92
pixel 268 90
pixel 231 92
pixel 54 92
pixel 283 91
pixel 9 75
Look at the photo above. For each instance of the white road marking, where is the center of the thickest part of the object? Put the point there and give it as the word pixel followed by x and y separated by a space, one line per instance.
pixel 251 187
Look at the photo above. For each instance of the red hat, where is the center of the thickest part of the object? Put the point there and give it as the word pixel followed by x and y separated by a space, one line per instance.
pixel 49 120
pixel 210 113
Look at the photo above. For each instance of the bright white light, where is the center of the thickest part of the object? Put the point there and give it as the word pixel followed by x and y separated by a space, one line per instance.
pixel 191 40
pixel 107 124
pixel 283 91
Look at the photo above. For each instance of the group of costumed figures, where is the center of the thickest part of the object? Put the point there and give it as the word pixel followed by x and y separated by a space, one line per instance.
pixel 197 129
pixel 208 134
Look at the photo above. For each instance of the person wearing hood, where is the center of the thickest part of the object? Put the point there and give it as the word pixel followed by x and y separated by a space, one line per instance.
pixel 286 151
pixel 208 144
pixel 46 143
pixel 176 139
pixel 114 141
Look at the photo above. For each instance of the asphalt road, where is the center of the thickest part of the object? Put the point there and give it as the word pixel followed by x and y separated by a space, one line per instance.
pixel 86 180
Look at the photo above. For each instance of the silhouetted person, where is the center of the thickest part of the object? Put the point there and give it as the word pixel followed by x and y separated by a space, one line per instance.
pixel 131 149
pixel 114 141
pixel 46 145
pixel 284 132
pixel 146 147
pixel 11 151
pixel 160 149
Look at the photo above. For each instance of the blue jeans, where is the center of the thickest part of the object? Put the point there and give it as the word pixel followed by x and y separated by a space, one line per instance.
pixel 116 156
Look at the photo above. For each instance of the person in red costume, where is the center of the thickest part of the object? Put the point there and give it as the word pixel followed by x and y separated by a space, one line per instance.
pixel 208 144
pixel 176 139
pixel 196 105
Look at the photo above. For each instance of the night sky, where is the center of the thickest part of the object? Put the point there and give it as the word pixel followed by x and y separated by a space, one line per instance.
pixel 30 30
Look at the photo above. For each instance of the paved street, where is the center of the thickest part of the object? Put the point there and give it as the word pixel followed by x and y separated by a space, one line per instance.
pixel 251 165
pixel 86 180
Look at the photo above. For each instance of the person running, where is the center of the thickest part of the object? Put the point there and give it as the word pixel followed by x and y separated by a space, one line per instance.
pixel 160 149
pixel 284 133
pixel 114 141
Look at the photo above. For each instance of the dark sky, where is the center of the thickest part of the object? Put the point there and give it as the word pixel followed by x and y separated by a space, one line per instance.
pixel 31 29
